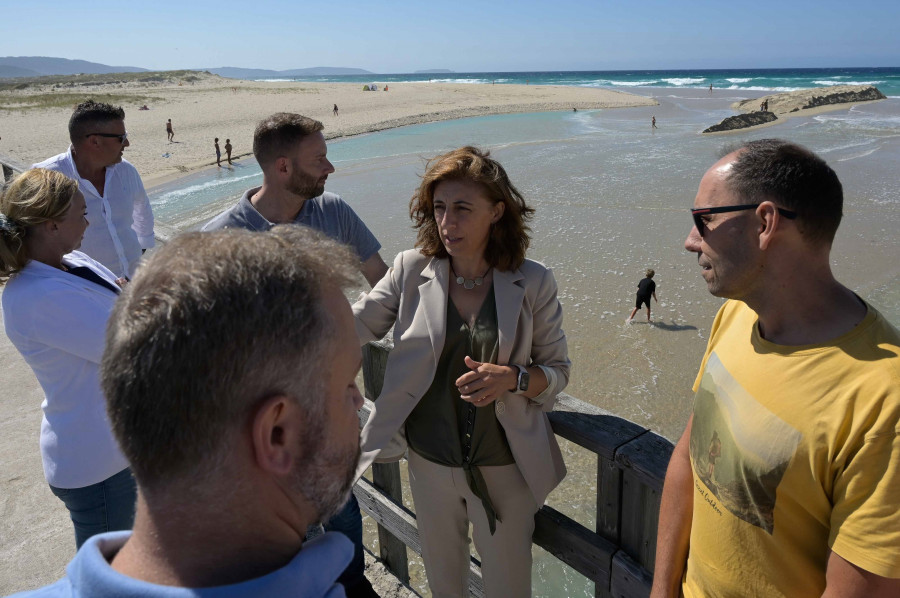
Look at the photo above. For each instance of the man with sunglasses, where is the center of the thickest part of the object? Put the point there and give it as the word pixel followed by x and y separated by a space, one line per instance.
pixel 800 391
pixel 118 209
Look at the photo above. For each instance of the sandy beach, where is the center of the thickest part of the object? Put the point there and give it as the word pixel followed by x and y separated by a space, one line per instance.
pixel 212 106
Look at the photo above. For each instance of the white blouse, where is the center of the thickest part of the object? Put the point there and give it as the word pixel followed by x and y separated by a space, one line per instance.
pixel 57 321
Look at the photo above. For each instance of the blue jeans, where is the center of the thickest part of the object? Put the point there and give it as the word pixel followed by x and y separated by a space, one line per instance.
pixel 106 506
pixel 348 521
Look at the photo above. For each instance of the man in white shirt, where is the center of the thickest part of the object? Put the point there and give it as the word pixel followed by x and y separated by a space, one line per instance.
pixel 118 209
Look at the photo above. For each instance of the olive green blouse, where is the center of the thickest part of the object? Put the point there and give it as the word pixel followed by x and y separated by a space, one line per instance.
pixel 449 431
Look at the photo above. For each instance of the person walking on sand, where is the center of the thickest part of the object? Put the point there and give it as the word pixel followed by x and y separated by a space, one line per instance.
pixel 710 88
pixel 335 110
pixel 228 150
pixel 653 122
pixel 169 132
pixel 804 376
pixel 646 289
pixel 218 153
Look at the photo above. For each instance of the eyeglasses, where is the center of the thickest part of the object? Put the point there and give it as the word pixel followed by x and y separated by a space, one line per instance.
pixel 121 137
pixel 698 213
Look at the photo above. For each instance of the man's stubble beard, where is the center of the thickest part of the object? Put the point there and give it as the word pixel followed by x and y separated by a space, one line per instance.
pixel 305 187
pixel 327 480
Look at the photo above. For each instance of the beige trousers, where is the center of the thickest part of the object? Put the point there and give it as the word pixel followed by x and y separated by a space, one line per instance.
pixel 444 507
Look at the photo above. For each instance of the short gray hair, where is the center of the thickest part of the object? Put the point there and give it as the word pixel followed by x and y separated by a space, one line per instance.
pixel 212 325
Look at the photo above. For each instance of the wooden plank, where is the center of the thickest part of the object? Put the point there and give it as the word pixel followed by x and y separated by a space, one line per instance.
pixel 628 578
pixel 386 477
pixel 601 434
pixel 647 456
pixel 374 362
pixel 399 520
pixel 609 478
pixel 609 499
pixel 574 544
pixel 640 518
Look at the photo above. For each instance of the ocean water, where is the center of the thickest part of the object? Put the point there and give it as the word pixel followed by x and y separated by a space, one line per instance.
pixel 612 198
pixel 887 79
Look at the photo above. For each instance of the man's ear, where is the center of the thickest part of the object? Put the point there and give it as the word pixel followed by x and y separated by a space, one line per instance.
pixel 769 222
pixel 275 433
pixel 282 165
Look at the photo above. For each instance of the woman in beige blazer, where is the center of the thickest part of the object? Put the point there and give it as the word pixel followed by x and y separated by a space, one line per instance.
pixel 479 357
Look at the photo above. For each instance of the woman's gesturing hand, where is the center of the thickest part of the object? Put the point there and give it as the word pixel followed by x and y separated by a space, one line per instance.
pixel 486 382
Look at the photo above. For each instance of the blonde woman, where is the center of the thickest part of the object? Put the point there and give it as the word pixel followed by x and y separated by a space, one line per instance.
pixel 55 305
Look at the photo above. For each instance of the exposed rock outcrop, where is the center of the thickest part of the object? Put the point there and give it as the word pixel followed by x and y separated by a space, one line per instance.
pixel 850 96
pixel 742 121
pixel 805 99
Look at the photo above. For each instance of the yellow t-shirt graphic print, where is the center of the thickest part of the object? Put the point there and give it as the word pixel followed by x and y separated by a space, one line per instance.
pixel 795 452
pixel 739 449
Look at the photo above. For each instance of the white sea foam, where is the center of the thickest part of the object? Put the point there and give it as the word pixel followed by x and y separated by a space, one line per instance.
pixel 830 83
pixel 738 80
pixel 860 155
pixel 760 88
pixel 179 193
pixel 678 81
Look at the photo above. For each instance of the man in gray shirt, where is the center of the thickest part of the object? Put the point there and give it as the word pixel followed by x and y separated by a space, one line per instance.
pixel 291 151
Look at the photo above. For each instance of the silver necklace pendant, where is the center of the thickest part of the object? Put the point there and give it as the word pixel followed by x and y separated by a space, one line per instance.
pixel 469 284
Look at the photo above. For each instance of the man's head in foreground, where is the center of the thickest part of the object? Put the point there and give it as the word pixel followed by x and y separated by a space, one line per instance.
pixel 766 204
pixel 230 371
pixel 291 151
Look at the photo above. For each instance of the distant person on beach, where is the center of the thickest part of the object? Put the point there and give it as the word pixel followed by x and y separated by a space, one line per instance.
pixel 118 207
pixel 218 153
pixel 241 424
pixel 292 154
pixel 646 290
pixel 479 357
pixel 653 122
pixel 55 305
pixel 710 88
pixel 169 132
pixel 801 379
pixel 335 110
pixel 228 150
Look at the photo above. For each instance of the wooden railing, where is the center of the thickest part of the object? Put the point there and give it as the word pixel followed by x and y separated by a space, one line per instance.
pixel 618 556
pixel 11 169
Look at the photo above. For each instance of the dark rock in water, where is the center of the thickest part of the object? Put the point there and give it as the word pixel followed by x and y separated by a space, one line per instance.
pixel 742 121
pixel 865 95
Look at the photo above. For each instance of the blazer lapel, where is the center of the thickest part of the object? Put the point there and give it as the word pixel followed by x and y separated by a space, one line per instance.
pixel 433 295
pixel 508 294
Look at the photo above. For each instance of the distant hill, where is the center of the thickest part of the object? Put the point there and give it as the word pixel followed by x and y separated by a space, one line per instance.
pixel 34 66
pixel 433 72
pixel 242 73
pixel 7 71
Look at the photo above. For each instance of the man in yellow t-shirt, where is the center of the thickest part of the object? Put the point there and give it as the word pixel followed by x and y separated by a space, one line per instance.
pixel 786 481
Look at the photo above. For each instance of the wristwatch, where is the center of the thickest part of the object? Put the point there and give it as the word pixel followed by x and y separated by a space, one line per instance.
pixel 522 381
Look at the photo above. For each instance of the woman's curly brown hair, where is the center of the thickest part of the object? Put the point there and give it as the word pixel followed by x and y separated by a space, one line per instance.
pixel 509 237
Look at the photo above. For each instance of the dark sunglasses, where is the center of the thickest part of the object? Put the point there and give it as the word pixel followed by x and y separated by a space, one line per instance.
pixel 121 137
pixel 698 213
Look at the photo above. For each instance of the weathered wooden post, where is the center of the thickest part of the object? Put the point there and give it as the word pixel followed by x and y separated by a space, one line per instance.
pixel 385 476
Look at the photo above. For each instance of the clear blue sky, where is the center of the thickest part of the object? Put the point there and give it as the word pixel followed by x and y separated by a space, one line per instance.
pixel 401 36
